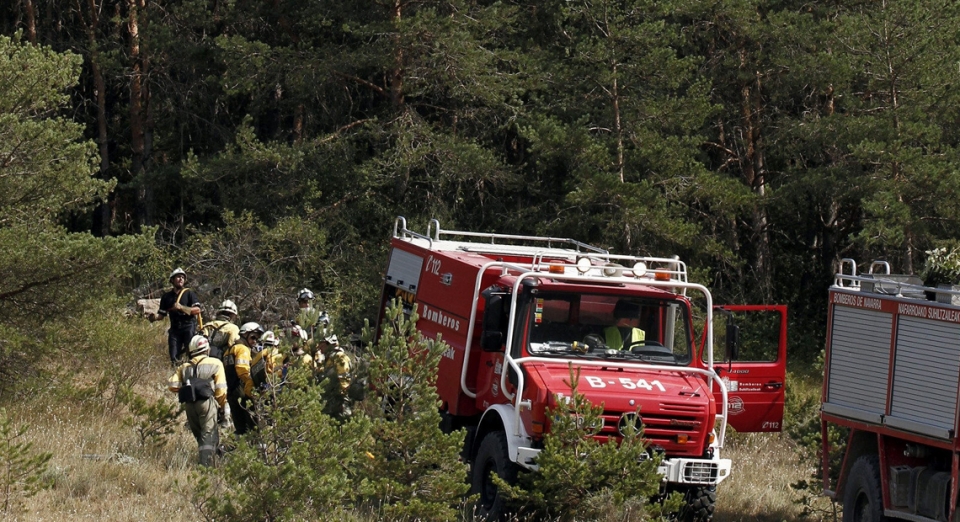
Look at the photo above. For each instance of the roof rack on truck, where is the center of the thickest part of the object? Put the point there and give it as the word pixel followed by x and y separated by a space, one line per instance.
pixel 539 253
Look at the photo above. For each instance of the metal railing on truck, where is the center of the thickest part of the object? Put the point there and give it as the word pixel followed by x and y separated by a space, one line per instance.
pixel 603 266
pixel 880 280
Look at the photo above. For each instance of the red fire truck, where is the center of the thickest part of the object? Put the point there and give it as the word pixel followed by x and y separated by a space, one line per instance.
pixel 516 311
pixel 891 381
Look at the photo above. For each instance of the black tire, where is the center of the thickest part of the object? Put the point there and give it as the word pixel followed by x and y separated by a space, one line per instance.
pixel 699 503
pixel 492 457
pixel 862 497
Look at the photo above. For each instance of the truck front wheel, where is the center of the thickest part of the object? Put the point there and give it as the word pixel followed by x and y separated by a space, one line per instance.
pixel 492 457
pixel 698 504
pixel 862 498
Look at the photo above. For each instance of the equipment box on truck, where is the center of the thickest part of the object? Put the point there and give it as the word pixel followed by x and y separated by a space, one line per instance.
pixel 517 311
pixel 891 381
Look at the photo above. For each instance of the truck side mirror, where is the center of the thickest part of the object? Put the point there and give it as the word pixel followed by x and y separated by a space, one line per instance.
pixel 491 340
pixel 733 340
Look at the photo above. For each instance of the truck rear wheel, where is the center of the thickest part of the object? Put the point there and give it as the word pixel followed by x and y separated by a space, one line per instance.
pixel 862 498
pixel 698 504
pixel 492 457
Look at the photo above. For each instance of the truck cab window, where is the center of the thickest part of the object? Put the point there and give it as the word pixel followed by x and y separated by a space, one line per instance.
pixel 601 326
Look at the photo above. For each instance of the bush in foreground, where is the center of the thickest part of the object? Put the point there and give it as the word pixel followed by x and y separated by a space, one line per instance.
pixel 581 479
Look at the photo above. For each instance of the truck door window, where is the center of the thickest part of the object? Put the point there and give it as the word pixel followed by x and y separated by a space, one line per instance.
pixel 759 336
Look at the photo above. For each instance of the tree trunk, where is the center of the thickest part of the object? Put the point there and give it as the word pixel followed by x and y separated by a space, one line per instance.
pixel 103 214
pixel 396 75
pixel 137 133
pixel 754 169
pixel 31 15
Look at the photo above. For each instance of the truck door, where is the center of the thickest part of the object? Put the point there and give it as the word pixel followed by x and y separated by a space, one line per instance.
pixel 755 371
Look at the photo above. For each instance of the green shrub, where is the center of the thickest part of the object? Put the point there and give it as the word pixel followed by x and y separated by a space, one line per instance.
pixel 153 420
pixel 581 479
pixel 21 469
pixel 942 266
pixel 388 457
pixel 415 471
pixel 297 466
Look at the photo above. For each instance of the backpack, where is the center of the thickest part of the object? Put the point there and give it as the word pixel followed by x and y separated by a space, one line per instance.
pixel 258 370
pixel 218 338
pixel 193 388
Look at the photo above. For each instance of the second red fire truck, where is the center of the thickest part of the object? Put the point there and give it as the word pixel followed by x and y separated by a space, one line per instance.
pixel 517 311
pixel 891 389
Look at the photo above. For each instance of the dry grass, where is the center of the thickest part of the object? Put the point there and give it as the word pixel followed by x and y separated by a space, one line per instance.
pixel 758 490
pixel 100 472
pixel 99 469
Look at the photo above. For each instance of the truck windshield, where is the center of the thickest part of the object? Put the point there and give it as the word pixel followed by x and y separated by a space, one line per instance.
pixel 607 326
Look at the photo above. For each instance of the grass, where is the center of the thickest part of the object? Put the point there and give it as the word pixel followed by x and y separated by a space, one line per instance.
pixel 758 490
pixel 101 471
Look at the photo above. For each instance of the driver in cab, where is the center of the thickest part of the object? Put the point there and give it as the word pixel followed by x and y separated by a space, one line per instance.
pixel 624 333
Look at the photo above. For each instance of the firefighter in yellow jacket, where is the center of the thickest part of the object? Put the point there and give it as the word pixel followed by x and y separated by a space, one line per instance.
pixel 201 386
pixel 334 367
pixel 236 363
pixel 269 360
pixel 221 332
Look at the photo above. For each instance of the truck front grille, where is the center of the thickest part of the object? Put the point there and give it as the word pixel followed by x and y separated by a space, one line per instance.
pixel 662 427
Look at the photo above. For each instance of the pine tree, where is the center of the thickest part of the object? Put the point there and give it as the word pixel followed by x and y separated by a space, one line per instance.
pixel 580 478
pixel 21 467
pixel 415 472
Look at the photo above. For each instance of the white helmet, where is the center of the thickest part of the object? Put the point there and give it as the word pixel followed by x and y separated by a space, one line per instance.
pixel 305 295
pixel 332 340
pixel 199 344
pixel 269 339
pixel 228 306
pixel 249 328
pixel 176 272
pixel 323 318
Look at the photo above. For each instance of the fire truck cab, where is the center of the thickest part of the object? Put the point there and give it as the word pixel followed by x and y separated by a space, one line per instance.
pixel 517 311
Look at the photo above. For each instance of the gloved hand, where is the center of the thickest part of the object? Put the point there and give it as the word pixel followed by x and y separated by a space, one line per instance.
pixel 221 415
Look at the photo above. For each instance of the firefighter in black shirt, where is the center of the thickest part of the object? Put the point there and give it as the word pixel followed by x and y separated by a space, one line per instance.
pixel 183 307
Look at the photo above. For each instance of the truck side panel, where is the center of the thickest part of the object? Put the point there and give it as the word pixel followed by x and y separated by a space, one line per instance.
pixel 443 287
pixel 894 363
pixel 859 363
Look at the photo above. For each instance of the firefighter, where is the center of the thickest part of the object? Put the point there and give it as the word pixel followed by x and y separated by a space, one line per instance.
pixel 298 358
pixel 334 367
pixel 305 299
pixel 624 333
pixel 222 332
pixel 236 362
pixel 308 321
pixel 202 387
pixel 271 358
pixel 183 307
pixel 334 363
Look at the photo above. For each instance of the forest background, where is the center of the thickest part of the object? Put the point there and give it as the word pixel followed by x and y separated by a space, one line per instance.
pixel 267 146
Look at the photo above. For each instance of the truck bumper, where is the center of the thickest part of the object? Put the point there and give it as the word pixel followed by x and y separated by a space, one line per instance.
pixel 676 470
pixel 694 471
